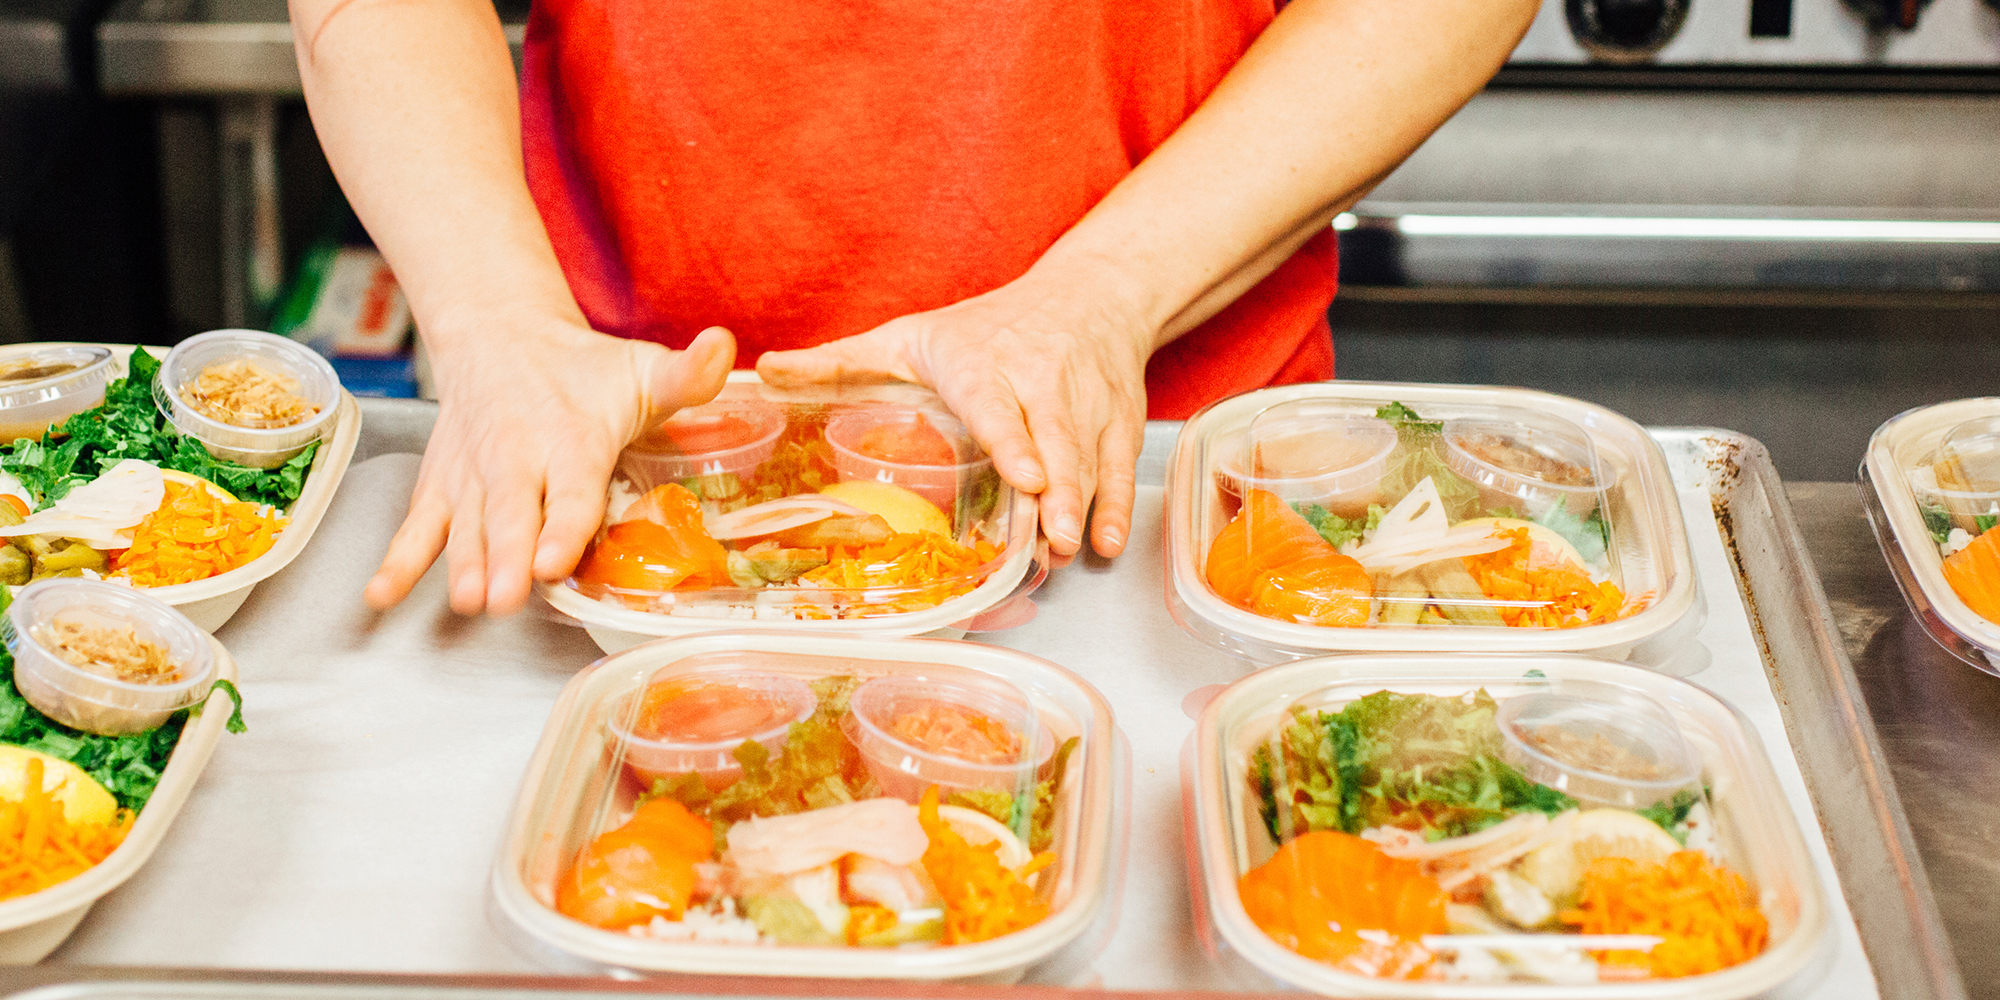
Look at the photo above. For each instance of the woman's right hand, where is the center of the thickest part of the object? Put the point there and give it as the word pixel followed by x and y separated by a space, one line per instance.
pixel 530 424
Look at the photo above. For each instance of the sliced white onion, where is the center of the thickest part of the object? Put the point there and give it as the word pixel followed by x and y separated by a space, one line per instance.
pixel 773 516
pixel 1399 556
pixel 100 513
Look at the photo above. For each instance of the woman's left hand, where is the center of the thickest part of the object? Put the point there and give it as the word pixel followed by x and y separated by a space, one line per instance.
pixel 1049 375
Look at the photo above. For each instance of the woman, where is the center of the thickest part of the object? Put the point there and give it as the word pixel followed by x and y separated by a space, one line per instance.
pixel 1017 203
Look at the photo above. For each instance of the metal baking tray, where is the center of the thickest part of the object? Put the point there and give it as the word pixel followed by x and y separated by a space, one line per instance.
pixel 1825 715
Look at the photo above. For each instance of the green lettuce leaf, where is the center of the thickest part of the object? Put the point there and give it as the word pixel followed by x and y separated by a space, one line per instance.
pixel 1590 534
pixel 1339 530
pixel 1417 457
pixel 1420 762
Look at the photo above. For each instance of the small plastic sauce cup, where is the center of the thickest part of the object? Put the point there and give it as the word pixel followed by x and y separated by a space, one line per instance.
pixel 1964 476
pixel 730 437
pixel 693 723
pixel 43 384
pixel 86 699
pixel 998 741
pixel 1336 462
pixel 1601 744
pixel 939 482
pixel 1530 467
pixel 256 447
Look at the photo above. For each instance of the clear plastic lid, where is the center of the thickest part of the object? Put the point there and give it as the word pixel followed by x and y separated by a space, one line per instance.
pixel 105 658
pixel 1932 488
pixel 885 807
pixel 1309 517
pixel 249 397
pixel 1413 822
pixel 823 508
pixel 43 384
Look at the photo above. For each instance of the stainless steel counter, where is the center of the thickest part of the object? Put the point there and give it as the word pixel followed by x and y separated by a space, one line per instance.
pixel 1938 720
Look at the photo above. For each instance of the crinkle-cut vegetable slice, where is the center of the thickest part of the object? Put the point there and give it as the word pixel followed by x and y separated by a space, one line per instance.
pixel 1336 898
pixel 194 535
pixel 1974 574
pixel 983 898
pixel 660 546
pixel 1265 535
pixel 1705 915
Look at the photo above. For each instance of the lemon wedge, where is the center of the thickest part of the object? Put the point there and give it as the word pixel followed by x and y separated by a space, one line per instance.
pixel 1557 867
pixel 186 479
pixel 905 511
pixel 84 801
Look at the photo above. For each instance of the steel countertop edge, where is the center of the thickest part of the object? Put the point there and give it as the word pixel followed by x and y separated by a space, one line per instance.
pixel 215 47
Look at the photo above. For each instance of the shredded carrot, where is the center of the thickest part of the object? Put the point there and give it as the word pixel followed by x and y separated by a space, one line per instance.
pixel 40 847
pixel 1565 595
pixel 927 569
pixel 1705 915
pixel 867 920
pixel 195 535
pixel 983 899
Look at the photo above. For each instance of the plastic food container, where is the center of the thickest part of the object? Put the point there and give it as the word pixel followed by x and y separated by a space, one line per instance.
pixel 1497 520
pixel 578 786
pixel 102 700
pixel 260 445
pixel 1930 483
pixel 693 725
pixel 43 384
pixel 729 437
pixel 858 436
pixel 1748 824
pixel 32 926
pixel 797 539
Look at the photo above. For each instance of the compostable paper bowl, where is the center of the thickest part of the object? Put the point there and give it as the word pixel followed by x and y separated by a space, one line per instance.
pixel 31 926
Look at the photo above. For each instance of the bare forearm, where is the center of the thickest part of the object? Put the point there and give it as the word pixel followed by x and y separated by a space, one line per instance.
pixel 415 105
pixel 1330 99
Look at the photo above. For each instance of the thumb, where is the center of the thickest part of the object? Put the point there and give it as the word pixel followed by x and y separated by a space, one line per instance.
pixel 864 357
pixel 691 377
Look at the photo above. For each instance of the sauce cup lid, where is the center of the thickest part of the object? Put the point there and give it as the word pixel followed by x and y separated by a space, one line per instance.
pixel 41 373
pixel 1598 743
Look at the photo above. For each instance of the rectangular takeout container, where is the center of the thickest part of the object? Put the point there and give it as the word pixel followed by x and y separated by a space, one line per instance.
pixel 1900 450
pixel 210 603
pixel 756 443
pixel 31 926
pixel 1758 836
pixel 576 785
pixel 1648 552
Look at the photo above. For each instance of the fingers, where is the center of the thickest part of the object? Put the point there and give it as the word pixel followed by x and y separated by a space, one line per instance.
pixel 1117 472
pixel 671 380
pixel 1071 474
pixel 465 551
pixel 416 546
pixel 572 509
pixel 994 419
pixel 874 355
pixel 513 519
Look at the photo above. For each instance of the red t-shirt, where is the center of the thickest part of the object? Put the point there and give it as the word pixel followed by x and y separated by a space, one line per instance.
pixel 800 172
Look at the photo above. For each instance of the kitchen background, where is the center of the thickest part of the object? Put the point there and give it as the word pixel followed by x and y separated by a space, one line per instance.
pixel 1776 216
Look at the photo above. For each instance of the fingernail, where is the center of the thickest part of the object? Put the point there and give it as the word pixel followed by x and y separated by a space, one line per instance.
pixel 1066 530
pixel 1113 538
pixel 1029 472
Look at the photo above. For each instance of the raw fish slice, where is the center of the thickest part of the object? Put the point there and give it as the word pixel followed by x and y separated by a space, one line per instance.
pixel 1326 589
pixel 661 548
pixel 1265 535
pixel 1974 575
